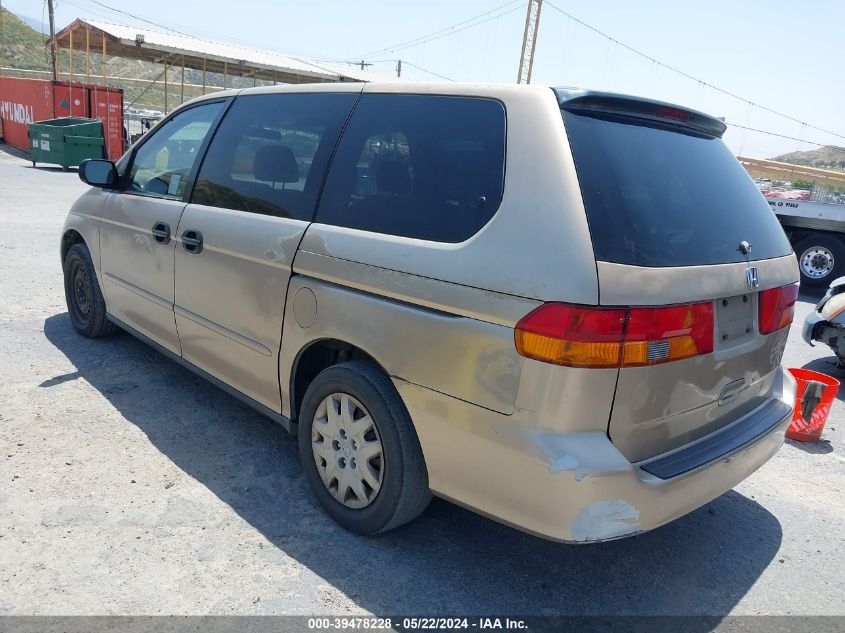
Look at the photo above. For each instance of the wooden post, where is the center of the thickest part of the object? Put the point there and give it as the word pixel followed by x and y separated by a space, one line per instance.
pixel 165 88
pixel 225 73
pixel 54 49
pixel 70 33
pixel 204 66
pixel 87 55
pixel 182 89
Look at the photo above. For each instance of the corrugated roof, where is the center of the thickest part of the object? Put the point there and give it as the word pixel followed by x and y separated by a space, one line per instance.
pixel 158 46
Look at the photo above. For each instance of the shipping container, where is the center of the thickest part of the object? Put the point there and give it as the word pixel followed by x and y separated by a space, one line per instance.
pixel 24 101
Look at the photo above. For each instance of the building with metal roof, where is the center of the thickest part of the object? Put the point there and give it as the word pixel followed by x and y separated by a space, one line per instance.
pixel 185 51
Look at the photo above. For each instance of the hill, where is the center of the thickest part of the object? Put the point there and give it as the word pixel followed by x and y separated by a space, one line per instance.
pixel 23 46
pixel 827 157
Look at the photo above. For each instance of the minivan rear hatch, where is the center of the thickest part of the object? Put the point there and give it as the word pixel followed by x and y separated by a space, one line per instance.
pixel 683 238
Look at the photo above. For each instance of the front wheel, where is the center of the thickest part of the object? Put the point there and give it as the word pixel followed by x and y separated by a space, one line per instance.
pixel 821 259
pixel 85 303
pixel 359 449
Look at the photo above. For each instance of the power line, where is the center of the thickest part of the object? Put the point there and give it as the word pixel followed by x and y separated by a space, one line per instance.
pixel 688 76
pixel 791 138
pixel 450 30
pixel 425 70
pixel 388 61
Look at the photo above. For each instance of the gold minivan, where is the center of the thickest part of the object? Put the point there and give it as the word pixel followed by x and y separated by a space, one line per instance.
pixel 563 309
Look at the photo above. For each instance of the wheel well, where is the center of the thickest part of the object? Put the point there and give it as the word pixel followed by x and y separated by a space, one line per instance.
pixel 316 357
pixel 798 235
pixel 70 238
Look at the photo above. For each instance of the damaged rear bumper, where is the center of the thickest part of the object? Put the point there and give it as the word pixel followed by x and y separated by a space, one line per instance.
pixel 577 487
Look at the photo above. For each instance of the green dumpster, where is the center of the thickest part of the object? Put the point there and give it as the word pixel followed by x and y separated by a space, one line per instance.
pixel 66 141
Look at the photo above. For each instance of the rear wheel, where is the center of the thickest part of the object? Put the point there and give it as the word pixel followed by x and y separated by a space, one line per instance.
pixel 821 259
pixel 85 303
pixel 359 450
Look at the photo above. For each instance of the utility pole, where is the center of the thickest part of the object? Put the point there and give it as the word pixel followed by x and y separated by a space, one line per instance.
pixel 2 41
pixel 53 52
pixel 529 41
pixel 363 63
pixel 398 68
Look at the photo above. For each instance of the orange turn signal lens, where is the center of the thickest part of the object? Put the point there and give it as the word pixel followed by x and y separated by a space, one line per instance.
pixel 571 353
pixel 579 336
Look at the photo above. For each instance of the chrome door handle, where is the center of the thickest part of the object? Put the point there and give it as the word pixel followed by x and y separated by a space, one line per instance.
pixel 161 232
pixel 192 241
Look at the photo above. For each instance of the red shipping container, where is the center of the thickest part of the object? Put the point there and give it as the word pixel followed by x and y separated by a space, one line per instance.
pixel 23 101
pixel 70 99
pixel 106 104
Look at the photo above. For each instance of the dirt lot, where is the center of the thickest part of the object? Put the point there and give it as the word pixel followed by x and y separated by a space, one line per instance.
pixel 129 486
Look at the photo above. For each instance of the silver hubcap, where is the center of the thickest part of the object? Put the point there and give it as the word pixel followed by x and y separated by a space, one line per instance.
pixel 347 450
pixel 817 262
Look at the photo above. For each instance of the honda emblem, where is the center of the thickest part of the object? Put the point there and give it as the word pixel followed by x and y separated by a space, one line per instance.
pixel 751 277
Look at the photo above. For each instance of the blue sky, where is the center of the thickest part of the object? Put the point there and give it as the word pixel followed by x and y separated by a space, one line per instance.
pixel 786 56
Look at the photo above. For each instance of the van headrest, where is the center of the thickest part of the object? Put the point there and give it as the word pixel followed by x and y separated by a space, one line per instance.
pixel 393 177
pixel 275 163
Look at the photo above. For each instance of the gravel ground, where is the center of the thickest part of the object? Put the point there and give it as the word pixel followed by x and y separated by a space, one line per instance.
pixel 129 486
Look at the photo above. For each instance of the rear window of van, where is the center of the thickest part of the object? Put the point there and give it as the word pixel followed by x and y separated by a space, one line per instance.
pixel 667 197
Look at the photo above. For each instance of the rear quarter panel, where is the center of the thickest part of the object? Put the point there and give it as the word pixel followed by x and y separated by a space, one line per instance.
pixel 454 354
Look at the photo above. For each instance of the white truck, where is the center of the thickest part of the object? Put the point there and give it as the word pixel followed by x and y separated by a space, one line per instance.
pixel 817 233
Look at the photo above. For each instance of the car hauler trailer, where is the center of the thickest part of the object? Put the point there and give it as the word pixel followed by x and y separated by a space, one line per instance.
pixel 817 233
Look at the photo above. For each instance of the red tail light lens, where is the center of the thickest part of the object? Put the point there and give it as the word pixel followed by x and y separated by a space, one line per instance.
pixel 777 308
pixel 578 336
pixel 571 335
pixel 658 335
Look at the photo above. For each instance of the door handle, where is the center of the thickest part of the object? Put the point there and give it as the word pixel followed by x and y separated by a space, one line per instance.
pixel 161 232
pixel 192 241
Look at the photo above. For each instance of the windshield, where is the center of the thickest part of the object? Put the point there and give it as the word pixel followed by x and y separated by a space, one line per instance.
pixel 659 197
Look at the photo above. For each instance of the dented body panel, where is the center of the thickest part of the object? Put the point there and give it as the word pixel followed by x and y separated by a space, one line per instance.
pixel 572 487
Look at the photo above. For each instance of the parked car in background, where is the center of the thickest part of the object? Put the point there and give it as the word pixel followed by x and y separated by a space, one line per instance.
pixel 522 299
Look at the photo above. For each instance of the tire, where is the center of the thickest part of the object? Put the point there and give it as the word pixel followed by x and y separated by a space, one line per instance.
pixel 85 303
pixel 814 254
pixel 402 492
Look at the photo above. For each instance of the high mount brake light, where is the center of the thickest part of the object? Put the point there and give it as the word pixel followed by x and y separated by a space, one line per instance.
pixel 777 308
pixel 579 336
pixel 673 113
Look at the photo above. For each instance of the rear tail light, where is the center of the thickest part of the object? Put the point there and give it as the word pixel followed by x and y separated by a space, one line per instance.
pixel 579 336
pixel 777 307
pixel 656 335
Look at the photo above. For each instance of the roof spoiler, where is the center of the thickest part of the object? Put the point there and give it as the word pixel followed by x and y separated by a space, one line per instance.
pixel 587 101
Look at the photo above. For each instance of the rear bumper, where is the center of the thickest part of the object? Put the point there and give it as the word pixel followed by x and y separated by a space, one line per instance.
pixel 577 487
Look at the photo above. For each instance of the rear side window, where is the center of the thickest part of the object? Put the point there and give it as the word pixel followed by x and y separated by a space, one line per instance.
pixel 420 166
pixel 270 153
pixel 656 197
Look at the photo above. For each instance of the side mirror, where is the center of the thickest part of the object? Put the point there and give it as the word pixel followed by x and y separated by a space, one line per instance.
pixel 98 173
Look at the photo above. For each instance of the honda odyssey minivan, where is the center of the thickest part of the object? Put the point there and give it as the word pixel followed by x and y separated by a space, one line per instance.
pixel 563 309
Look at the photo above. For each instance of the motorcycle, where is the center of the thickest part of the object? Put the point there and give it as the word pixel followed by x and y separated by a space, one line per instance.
pixel 826 324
